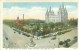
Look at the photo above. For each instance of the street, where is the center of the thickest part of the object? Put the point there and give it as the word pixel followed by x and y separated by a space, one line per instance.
pixel 15 40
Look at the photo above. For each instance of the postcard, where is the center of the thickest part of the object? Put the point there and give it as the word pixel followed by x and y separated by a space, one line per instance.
pixel 35 25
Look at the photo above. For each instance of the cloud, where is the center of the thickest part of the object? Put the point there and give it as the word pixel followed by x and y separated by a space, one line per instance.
pixel 72 11
pixel 72 14
pixel 34 12
pixel 12 12
pixel 71 8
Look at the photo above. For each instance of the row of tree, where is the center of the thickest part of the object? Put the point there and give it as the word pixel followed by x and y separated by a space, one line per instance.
pixel 42 28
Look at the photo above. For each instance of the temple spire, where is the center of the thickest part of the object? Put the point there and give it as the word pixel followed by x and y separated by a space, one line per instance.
pixel 50 9
pixel 62 5
pixel 47 12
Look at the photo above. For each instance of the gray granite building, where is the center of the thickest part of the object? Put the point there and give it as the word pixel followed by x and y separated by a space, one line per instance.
pixel 62 15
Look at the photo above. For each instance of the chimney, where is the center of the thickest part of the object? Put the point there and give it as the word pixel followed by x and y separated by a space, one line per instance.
pixel 23 18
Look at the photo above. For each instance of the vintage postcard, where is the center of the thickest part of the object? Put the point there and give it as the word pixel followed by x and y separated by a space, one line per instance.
pixel 35 25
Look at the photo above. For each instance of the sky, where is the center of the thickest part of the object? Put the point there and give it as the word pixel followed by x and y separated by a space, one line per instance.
pixel 36 10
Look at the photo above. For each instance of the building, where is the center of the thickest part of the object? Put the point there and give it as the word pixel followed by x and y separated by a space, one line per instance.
pixel 20 22
pixel 62 15
pixel 17 21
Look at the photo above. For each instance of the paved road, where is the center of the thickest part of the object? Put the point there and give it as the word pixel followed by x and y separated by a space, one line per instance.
pixel 16 39
pixel 69 35
pixel 21 41
pixel 7 41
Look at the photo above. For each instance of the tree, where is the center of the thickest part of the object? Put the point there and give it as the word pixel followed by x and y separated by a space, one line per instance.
pixel 59 26
pixel 46 29
pixel 73 22
pixel 51 26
